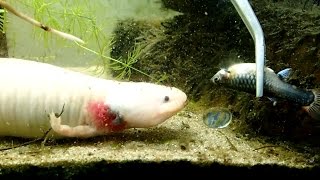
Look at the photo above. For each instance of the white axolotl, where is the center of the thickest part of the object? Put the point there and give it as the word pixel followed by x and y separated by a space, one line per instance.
pixel 37 96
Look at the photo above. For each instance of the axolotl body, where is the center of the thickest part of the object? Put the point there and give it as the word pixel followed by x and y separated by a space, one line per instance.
pixel 36 97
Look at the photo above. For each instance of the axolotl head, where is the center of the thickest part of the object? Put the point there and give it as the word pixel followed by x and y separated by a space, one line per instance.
pixel 142 105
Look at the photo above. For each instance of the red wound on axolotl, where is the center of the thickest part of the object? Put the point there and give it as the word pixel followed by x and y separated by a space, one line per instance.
pixel 104 118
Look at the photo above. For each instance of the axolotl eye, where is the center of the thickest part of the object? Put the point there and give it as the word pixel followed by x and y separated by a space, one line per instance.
pixel 166 98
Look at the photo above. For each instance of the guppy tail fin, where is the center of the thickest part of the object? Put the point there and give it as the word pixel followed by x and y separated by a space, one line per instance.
pixel 314 108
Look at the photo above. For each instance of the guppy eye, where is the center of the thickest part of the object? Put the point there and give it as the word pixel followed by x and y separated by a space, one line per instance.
pixel 216 79
pixel 166 98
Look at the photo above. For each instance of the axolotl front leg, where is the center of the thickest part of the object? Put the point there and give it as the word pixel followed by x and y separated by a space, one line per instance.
pixel 68 131
pixel 104 120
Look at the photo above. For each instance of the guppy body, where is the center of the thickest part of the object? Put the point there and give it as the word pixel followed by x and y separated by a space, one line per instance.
pixel 35 97
pixel 243 76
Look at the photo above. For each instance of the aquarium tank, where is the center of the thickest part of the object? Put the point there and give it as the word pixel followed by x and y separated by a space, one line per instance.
pixel 248 74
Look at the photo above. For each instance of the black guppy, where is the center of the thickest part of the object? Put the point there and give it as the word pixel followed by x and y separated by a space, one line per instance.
pixel 243 77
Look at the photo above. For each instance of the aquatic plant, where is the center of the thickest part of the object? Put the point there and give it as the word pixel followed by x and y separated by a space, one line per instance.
pixel 126 67
pixel 36 23
pixel 78 17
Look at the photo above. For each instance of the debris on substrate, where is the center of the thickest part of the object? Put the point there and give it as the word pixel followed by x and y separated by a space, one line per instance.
pixel 183 146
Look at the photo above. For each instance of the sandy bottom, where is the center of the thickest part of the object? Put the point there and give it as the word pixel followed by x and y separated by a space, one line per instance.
pixel 184 137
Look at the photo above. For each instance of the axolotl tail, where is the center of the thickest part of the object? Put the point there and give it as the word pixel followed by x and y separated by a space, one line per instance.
pixel 314 108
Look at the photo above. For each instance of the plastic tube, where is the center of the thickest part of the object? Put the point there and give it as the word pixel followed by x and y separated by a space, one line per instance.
pixel 249 18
